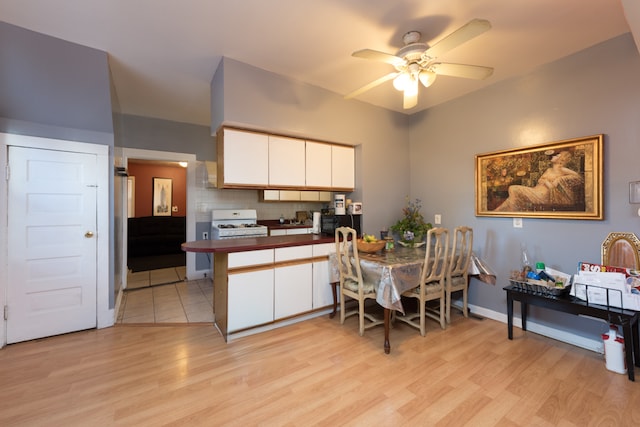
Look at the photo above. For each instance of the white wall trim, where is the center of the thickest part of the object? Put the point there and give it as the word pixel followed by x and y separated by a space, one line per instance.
pixel 135 153
pixel 556 334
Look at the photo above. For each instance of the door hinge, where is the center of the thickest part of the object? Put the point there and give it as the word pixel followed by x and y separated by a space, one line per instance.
pixel 6 312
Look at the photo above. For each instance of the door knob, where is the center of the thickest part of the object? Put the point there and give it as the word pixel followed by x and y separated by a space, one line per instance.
pixel 88 234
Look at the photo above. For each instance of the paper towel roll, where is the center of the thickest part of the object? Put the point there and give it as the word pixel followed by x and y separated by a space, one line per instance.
pixel 316 223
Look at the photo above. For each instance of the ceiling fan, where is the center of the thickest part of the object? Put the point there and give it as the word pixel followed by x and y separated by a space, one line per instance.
pixel 416 61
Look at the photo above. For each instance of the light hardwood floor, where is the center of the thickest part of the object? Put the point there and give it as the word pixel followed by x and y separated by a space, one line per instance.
pixel 317 372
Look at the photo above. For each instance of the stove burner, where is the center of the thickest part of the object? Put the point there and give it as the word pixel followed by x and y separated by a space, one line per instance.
pixel 226 226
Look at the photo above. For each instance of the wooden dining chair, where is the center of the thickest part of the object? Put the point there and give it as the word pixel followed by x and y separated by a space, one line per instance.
pixel 352 284
pixel 457 277
pixel 431 285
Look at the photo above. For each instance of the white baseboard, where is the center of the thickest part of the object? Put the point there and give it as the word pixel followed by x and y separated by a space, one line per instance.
pixel 566 337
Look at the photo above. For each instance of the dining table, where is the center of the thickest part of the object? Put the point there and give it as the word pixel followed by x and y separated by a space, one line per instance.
pixel 396 271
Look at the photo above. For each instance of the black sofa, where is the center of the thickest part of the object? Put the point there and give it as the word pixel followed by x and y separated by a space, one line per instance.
pixel 155 236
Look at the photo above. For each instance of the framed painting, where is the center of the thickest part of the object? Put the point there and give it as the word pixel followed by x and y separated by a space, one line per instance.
pixel 162 192
pixel 556 180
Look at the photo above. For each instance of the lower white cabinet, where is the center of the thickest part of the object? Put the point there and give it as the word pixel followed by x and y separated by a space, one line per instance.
pixel 268 285
pixel 250 299
pixel 292 287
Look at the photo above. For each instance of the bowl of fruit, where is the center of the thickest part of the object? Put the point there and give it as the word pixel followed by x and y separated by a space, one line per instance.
pixel 370 244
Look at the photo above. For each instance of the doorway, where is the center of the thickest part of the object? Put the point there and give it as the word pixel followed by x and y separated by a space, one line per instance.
pixel 158 228
pixel 162 157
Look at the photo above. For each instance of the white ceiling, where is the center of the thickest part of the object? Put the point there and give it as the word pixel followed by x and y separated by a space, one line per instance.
pixel 163 53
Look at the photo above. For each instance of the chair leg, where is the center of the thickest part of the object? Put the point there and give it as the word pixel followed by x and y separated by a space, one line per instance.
pixel 423 316
pixel 342 298
pixel 361 316
pixel 448 304
pixel 443 324
pixel 465 302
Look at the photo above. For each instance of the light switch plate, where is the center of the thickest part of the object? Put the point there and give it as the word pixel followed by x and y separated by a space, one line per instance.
pixel 517 222
pixel 437 219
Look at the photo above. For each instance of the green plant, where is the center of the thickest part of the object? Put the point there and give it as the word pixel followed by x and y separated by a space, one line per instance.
pixel 412 227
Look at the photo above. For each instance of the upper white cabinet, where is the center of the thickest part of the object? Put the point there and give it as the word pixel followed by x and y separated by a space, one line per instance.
pixel 286 162
pixel 249 159
pixel 343 167
pixel 243 159
pixel 318 164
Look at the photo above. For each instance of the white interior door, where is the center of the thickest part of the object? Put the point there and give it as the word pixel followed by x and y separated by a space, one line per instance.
pixel 52 278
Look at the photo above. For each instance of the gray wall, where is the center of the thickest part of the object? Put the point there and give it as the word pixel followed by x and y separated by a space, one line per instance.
pixel 592 92
pixel 53 88
pixel 163 135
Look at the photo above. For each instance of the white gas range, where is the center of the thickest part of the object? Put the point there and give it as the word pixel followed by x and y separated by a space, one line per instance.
pixel 235 223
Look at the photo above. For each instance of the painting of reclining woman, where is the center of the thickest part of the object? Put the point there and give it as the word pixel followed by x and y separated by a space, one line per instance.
pixel 554 180
pixel 559 187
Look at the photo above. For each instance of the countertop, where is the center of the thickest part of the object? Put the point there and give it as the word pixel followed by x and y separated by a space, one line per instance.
pixel 255 243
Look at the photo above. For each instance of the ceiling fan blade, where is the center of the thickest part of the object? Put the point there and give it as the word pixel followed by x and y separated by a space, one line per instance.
pixel 371 85
pixel 477 72
pixel 471 29
pixel 379 56
pixel 410 99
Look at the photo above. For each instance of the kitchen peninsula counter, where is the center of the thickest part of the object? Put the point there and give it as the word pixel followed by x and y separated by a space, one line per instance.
pixel 255 243
pixel 261 283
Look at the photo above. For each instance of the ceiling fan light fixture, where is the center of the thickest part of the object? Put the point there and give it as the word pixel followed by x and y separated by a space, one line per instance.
pixel 411 88
pixel 401 82
pixel 427 77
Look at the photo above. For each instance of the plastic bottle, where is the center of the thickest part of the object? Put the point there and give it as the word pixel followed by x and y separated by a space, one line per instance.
pixel 614 351
pixel 526 263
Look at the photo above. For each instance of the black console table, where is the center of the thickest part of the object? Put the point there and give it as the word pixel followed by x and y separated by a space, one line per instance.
pixel 628 319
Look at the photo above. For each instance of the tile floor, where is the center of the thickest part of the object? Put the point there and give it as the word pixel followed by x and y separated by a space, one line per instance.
pixel 164 296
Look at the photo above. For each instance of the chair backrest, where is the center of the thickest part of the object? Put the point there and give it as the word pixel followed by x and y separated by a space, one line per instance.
pixel 346 246
pixel 461 251
pixel 435 264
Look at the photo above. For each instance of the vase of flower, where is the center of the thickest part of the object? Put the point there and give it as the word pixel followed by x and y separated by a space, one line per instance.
pixel 411 229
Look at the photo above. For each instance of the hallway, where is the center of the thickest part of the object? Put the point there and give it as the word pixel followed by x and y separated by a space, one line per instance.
pixel 164 296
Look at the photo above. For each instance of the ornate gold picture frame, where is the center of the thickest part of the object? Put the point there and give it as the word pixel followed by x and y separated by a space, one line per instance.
pixel 556 180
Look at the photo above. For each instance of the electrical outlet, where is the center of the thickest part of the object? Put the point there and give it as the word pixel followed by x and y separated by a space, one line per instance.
pixel 205 235
pixel 438 219
pixel 517 222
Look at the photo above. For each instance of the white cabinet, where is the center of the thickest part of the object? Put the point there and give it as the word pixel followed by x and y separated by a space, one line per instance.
pixel 292 290
pixel 250 299
pixel 322 293
pixel 342 167
pixel 286 162
pixel 250 293
pixel 295 195
pixel 243 159
pixel 289 195
pixel 318 164
pixel 259 288
pixel 297 230
pixel 290 231
pixel 292 287
pixel 249 159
